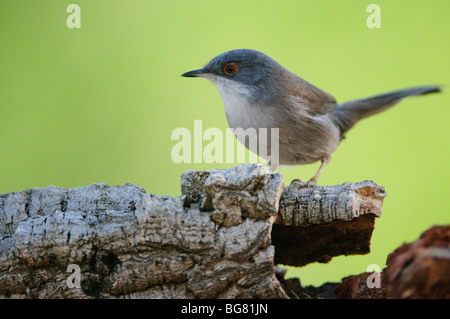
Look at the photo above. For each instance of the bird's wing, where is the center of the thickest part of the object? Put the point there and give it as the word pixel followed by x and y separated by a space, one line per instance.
pixel 316 100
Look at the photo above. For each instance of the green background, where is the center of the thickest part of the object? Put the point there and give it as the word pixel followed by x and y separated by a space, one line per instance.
pixel 99 104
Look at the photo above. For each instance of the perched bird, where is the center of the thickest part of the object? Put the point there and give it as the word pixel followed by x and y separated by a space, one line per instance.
pixel 260 93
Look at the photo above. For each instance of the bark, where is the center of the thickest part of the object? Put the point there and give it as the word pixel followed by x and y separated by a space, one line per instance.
pixel 421 270
pixel 316 224
pixel 363 286
pixel 219 239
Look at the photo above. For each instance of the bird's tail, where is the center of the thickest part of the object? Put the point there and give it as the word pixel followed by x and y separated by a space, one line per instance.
pixel 347 114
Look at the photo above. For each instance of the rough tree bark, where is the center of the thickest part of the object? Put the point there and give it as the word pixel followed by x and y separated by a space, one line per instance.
pixel 419 270
pixel 219 239
pixel 316 224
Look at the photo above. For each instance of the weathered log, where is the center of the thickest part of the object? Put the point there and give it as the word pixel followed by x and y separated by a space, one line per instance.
pixel 421 270
pixel 363 286
pixel 316 224
pixel 214 241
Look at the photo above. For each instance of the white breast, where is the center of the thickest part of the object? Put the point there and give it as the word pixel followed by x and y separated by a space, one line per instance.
pixel 236 96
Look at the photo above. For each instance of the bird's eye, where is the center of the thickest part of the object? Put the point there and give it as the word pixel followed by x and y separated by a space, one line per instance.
pixel 230 68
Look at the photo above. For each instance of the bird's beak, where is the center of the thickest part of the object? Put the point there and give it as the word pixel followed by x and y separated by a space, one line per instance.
pixel 195 73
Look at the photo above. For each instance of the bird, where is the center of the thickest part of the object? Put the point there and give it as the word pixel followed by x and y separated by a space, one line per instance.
pixel 258 92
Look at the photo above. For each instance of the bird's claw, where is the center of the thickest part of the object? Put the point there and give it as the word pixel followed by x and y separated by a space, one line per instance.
pixel 300 184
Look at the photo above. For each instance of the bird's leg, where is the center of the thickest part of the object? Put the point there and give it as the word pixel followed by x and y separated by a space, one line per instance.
pixel 313 181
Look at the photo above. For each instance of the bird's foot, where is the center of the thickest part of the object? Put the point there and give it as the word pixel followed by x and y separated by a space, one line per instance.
pixel 300 184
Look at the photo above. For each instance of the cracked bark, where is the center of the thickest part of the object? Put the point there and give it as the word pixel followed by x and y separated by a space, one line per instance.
pixel 316 224
pixel 219 239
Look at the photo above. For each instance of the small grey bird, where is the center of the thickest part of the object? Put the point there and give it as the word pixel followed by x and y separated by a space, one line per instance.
pixel 260 93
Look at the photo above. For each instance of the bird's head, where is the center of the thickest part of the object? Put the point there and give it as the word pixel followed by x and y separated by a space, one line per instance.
pixel 245 72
